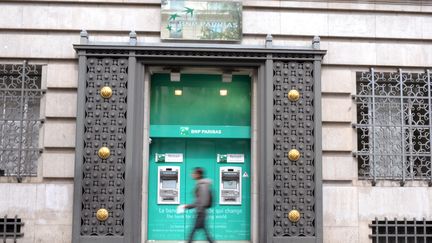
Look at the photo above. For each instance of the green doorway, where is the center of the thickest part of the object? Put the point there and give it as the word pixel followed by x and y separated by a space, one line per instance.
pixel 199 122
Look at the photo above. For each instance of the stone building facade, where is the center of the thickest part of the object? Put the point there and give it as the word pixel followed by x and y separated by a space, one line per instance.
pixel 367 43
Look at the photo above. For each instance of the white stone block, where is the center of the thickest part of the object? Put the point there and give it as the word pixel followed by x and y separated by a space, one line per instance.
pixel 364 231
pixel 340 206
pixel 351 52
pixel 403 54
pixel 84 16
pixel 61 103
pixel 352 24
pixel 60 134
pixel 340 235
pixel 304 23
pixel 62 75
pixel 399 26
pixel 20 200
pixel 426 26
pixel 269 22
pixel 337 80
pixel 337 137
pixel 391 202
pixel 399 7
pixel 302 4
pixel 54 204
pixel 339 167
pixel 58 164
pixel 351 6
pixel 38 45
pixel 53 233
pixel 337 108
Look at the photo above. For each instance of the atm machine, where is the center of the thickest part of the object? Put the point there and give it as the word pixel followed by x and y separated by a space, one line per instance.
pixel 168 185
pixel 230 187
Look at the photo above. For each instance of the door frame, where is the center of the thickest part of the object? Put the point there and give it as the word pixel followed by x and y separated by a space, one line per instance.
pixel 141 55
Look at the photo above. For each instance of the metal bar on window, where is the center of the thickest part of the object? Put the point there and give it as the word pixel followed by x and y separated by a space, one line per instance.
pixel 4 229
pixel 402 127
pixel 21 121
pixel 430 123
pixel 373 128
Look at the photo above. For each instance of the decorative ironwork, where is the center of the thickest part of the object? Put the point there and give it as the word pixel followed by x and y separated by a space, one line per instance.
pixel 394 125
pixel 20 94
pixel 293 153
pixel 389 231
pixel 103 183
pixel 10 228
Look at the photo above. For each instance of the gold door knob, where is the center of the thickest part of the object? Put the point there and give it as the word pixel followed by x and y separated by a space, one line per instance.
pixel 294 155
pixel 106 92
pixel 104 153
pixel 294 216
pixel 293 95
pixel 102 214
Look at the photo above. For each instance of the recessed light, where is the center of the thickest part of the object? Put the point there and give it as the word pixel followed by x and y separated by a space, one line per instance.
pixel 178 92
pixel 223 92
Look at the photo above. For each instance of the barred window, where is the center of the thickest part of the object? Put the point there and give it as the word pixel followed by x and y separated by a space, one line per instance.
pixel 394 125
pixel 20 96
pixel 401 231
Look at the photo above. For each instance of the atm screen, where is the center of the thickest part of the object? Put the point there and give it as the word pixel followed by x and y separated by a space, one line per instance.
pixel 230 184
pixel 169 184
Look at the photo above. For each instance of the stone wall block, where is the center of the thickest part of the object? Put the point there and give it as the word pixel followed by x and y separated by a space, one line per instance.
pixel 60 134
pixel 340 204
pixel 61 103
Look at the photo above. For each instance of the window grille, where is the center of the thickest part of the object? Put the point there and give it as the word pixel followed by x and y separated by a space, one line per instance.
pixel 20 95
pixel 401 231
pixel 394 125
pixel 10 228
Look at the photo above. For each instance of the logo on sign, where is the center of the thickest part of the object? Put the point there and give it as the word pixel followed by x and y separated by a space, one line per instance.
pixel 184 131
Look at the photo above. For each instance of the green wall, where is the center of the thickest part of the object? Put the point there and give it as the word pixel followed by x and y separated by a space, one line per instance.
pixel 201 103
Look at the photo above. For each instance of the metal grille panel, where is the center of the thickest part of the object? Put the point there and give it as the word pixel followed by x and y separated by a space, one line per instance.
pixel 401 231
pixel 394 125
pixel 20 94
pixel 103 183
pixel 293 128
pixel 10 228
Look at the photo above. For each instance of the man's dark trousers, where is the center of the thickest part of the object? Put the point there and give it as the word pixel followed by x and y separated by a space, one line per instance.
pixel 200 224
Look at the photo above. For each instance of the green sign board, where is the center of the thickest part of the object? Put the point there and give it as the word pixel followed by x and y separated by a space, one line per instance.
pixel 184 131
pixel 201 20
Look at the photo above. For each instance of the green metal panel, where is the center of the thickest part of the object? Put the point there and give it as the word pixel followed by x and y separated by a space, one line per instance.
pixel 200 102
pixel 226 222
pixel 187 131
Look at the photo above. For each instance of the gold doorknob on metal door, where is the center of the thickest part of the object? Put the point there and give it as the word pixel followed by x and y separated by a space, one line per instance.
pixel 102 214
pixel 294 216
pixel 294 155
pixel 293 95
pixel 106 92
pixel 104 153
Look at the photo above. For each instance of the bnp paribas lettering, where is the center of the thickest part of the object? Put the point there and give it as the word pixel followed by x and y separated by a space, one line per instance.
pixel 206 131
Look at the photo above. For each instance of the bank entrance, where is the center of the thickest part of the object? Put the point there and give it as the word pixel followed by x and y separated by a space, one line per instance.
pixel 199 121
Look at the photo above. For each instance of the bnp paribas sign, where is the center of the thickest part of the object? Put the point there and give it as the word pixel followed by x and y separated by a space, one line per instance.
pixel 201 20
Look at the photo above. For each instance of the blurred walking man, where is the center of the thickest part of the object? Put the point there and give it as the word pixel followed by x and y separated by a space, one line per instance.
pixel 203 200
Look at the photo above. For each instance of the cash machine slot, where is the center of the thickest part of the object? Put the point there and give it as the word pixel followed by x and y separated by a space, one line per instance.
pixel 168 184
pixel 230 185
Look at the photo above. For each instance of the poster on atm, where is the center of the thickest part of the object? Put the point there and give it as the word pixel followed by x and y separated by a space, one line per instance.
pixel 201 20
